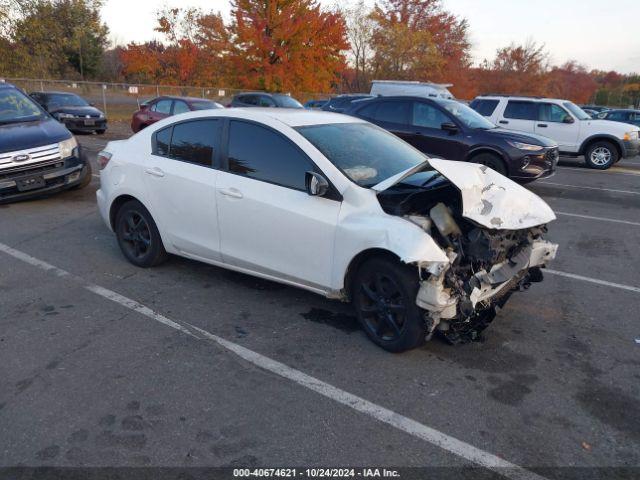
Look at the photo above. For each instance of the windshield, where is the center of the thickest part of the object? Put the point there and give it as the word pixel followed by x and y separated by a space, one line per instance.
pixel 203 105
pixel 466 115
pixel 66 100
pixel 16 107
pixel 363 152
pixel 577 111
pixel 287 102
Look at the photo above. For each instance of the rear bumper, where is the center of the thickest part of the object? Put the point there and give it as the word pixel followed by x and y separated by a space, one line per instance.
pixel 57 177
pixel 80 124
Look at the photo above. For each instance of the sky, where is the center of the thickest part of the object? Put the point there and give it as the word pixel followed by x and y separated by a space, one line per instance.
pixel 599 34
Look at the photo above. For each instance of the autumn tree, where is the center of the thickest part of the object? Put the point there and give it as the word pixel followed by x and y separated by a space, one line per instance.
pixel 516 69
pixel 436 39
pixel 286 45
pixel 571 81
pixel 360 27
pixel 55 38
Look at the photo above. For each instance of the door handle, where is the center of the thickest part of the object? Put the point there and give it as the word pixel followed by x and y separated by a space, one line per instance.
pixel 155 171
pixel 543 125
pixel 504 122
pixel 231 192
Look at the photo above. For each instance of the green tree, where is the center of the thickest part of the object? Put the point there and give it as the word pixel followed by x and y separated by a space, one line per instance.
pixel 57 38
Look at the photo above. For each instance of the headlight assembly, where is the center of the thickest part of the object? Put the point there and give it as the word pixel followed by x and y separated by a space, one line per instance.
pixel 68 147
pixel 525 146
pixel 630 136
pixel 61 116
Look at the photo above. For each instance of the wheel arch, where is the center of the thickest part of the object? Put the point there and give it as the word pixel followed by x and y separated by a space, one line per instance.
pixel 602 137
pixel 117 204
pixel 359 260
pixel 479 150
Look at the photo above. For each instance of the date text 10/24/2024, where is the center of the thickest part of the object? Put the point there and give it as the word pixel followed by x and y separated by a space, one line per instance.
pixel 315 473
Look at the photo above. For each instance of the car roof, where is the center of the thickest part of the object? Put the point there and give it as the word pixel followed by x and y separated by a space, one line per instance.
pixel 522 97
pixel 292 117
pixel 612 110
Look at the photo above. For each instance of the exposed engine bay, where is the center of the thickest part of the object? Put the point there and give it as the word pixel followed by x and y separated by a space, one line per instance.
pixel 485 265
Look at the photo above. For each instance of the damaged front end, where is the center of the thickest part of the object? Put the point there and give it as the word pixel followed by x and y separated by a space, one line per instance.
pixel 486 264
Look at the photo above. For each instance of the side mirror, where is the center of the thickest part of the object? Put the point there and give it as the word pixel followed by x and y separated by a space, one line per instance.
pixel 449 127
pixel 316 184
pixel 568 119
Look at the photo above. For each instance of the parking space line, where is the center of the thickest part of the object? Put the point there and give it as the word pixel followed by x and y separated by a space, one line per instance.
pixel 597 281
pixel 377 412
pixel 589 188
pixel 601 219
pixel 612 170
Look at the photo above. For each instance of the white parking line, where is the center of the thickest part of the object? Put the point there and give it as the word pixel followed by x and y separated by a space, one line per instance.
pixel 612 170
pixel 601 219
pixel 597 281
pixel 589 188
pixel 400 422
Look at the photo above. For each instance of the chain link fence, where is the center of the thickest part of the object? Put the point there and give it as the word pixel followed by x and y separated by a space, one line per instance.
pixel 120 100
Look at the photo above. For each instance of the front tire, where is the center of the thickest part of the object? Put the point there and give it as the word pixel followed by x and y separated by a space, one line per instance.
pixel 138 235
pixel 384 296
pixel 601 155
pixel 492 161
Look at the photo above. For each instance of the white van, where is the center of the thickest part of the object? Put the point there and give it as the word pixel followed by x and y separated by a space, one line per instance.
pixel 387 88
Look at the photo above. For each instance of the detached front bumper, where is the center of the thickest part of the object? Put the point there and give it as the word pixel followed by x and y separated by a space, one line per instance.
pixel 45 179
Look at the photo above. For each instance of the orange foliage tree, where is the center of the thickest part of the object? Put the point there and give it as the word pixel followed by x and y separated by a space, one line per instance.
pixel 286 45
pixel 571 81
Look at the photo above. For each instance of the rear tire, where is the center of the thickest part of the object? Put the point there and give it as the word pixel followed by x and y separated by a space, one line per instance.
pixel 492 161
pixel 138 235
pixel 601 155
pixel 384 297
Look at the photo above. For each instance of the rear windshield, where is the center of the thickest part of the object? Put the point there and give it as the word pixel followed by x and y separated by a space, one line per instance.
pixel 287 102
pixel 16 107
pixel 203 105
pixel 363 152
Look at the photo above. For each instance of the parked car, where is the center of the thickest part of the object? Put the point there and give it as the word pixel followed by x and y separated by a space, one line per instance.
pixel 38 155
pixel 591 113
pixel 448 129
pixel 340 103
pixel 162 107
pixel 340 207
pixel 595 108
pixel 629 116
pixel 75 112
pixel 602 142
pixel 262 99
pixel 417 89
pixel 315 104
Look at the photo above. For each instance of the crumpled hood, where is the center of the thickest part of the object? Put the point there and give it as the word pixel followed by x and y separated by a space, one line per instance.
pixel 488 198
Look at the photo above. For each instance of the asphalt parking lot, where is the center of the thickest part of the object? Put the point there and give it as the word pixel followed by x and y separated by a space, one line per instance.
pixel 105 364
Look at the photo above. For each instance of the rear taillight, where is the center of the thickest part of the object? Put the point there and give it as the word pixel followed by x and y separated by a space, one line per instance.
pixel 103 159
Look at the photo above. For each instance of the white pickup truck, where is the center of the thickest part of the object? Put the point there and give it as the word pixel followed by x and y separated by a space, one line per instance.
pixel 602 142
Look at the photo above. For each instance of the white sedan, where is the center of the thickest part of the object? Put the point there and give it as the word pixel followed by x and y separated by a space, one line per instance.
pixel 332 204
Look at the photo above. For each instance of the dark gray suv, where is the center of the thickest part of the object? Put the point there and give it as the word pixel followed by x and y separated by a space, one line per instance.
pixel 261 99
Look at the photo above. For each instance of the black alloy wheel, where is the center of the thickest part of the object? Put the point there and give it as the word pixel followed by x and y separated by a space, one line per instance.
pixel 384 295
pixel 138 235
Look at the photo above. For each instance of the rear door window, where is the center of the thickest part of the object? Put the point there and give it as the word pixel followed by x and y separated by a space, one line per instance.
pixel 265 102
pixel 262 154
pixel 194 142
pixel 393 112
pixel 519 110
